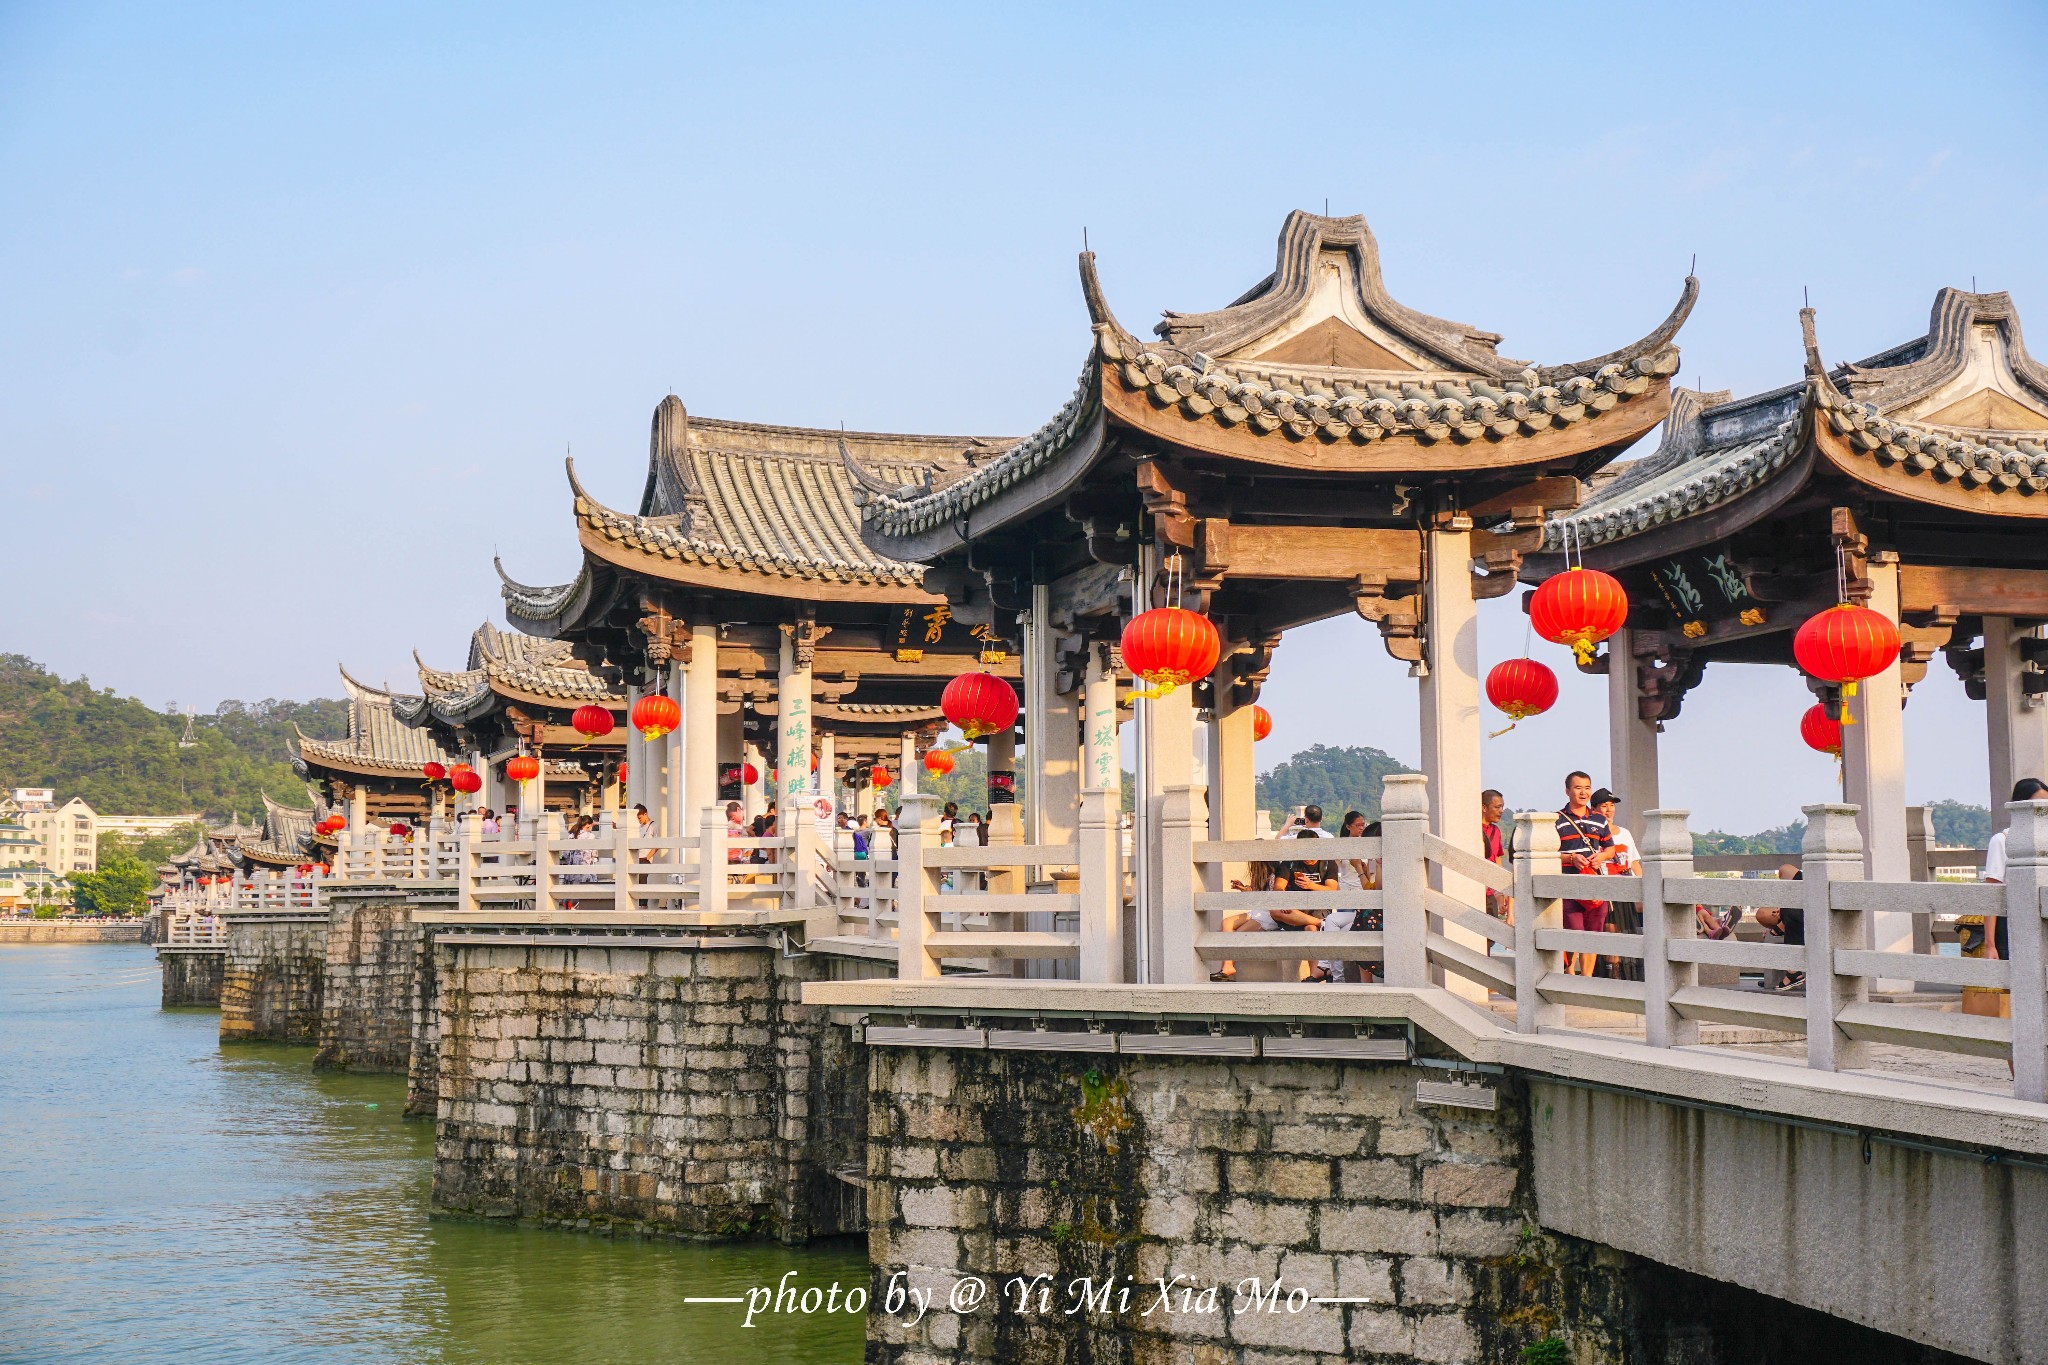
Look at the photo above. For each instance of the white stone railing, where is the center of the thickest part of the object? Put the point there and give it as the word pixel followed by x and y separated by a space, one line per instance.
pixel 1858 936
pixel 377 855
pixel 862 890
pixel 624 871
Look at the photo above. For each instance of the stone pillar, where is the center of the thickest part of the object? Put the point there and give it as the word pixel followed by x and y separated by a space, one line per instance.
pixel 1233 798
pixel 1002 757
pixel 1830 854
pixel 1166 740
pixel 676 814
pixel 1450 721
pixel 636 753
pixel 1101 754
pixel 2016 724
pixel 1631 740
pixel 1052 722
pixel 828 768
pixel 540 781
pixel 793 727
pixel 700 720
pixel 358 809
pixel 752 793
pixel 1874 764
pixel 2026 873
pixel 906 766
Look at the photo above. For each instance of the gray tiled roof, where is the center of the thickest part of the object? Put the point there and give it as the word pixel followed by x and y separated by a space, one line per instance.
pixel 1464 392
pixel 378 740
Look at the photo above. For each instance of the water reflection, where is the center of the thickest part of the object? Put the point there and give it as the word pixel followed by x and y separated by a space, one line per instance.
pixel 167 1199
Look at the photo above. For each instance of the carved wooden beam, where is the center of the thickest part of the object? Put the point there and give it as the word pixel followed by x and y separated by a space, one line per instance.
pixel 1398 615
pixel 1172 523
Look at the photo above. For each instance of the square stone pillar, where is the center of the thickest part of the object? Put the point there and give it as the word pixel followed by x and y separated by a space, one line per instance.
pixel 907 769
pixel 1101 754
pixel 676 815
pixel 828 769
pixel 1002 757
pixel 636 754
pixel 1233 798
pixel 1166 756
pixel 1874 753
pixel 1631 740
pixel 1450 721
pixel 753 795
pixel 700 722
pixel 794 729
pixel 2016 725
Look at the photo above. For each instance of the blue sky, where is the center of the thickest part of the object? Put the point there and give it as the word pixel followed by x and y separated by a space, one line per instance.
pixel 300 306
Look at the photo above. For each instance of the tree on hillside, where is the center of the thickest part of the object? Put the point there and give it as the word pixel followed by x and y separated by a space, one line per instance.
pixel 125 759
pixel 1957 825
pixel 120 886
pixel 1335 779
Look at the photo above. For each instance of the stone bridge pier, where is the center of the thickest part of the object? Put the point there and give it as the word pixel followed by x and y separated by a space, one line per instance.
pixel 1423 1189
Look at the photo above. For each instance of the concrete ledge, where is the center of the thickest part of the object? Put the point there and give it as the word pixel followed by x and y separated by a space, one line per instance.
pixel 677 942
pixel 1759 1085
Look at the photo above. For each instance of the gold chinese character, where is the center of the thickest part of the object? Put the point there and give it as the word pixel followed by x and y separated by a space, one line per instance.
pixel 935 622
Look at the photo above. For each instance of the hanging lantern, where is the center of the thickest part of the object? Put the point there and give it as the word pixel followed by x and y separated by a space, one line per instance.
pixel 303 868
pixel 522 768
pixel 656 715
pixel 1846 644
pixel 622 770
pixel 749 774
pixel 979 704
pixel 939 762
pixel 433 772
pixel 1522 688
pixel 593 722
pixel 880 776
pixel 466 780
pixel 1170 647
pixel 397 831
pixel 1579 607
pixel 1821 731
pixel 1262 722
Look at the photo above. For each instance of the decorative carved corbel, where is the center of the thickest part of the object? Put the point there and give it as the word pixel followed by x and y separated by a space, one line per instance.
pixel 1399 617
pixel 1923 634
pixel 1171 520
pixel 664 637
pixel 804 634
pixel 1249 668
pixel 1663 676
pixel 1854 547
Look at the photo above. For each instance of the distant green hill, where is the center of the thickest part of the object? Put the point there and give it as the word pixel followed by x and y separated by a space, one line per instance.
pixel 1335 779
pixel 1956 825
pixel 125 758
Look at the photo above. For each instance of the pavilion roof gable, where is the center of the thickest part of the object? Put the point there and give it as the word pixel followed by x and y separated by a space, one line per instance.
pixel 379 741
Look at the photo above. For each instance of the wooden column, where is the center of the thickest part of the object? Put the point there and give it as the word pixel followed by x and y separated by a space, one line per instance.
pixel 1450 720
pixel 1631 740
pixel 700 720
pixel 2016 725
pixel 793 728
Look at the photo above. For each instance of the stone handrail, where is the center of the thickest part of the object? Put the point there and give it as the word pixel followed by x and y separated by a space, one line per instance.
pixel 1858 935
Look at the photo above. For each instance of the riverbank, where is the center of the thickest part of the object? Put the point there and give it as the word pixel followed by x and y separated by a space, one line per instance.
pixel 75 931
pixel 253 1210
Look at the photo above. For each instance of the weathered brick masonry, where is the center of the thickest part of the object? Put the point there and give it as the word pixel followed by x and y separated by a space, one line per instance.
pixel 191 976
pixel 366 1003
pixel 681 1091
pixel 273 977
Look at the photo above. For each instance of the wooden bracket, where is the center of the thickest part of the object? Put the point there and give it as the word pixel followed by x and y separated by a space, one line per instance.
pixel 1171 520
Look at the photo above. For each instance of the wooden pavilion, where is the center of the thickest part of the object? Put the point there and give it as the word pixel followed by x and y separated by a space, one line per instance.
pixel 1312 448
pixel 377 772
pixel 1914 482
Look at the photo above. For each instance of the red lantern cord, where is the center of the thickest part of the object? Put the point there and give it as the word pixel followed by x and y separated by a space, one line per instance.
pixel 1522 688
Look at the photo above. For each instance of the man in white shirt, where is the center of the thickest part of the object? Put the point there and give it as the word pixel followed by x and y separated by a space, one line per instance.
pixel 2026 789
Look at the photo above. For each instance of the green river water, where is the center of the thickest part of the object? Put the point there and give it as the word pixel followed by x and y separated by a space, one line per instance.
pixel 167 1199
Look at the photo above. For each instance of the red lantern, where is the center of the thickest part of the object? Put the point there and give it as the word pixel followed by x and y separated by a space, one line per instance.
pixel 749 774
pixel 979 704
pixel 434 772
pixel 592 722
pixel 206 881
pixel 1262 722
pixel 1522 688
pixel 466 780
pixel 1169 647
pixel 622 770
pixel 880 776
pixel 1846 644
pixel 656 715
pixel 938 762
pixel 1579 607
pixel 397 831
pixel 1821 731
pixel 522 767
